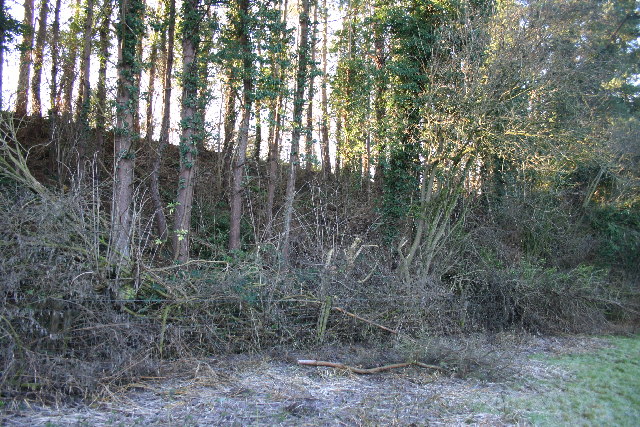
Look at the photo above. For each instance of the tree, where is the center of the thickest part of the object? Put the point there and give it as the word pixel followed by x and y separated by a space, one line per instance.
pixel 101 90
pixel 36 102
pixel 71 45
pixel 55 61
pixel 26 51
pixel 298 103
pixel 84 91
pixel 309 156
pixel 324 124
pixel 243 36
pixel 161 221
pixel 82 109
pixel 190 132
pixel 130 28
pixel 277 87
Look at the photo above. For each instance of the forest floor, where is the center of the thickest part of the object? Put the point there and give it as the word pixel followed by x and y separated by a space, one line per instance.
pixel 496 380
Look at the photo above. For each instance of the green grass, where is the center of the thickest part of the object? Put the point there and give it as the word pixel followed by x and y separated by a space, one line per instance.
pixel 603 389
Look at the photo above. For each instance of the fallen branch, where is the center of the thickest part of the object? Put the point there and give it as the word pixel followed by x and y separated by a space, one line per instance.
pixel 367 371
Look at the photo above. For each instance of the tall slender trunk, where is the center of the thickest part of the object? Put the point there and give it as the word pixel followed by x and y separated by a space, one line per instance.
pixel 137 80
pixel 69 72
pixel 22 92
pixel 243 134
pixel 324 127
pixel 298 103
pixel 129 30
pixel 379 105
pixel 83 104
pixel 55 59
pixel 258 143
pixel 274 132
pixel 38 54
pixel 366 156
pixel 153 59
pixel 101 88
pixel 230 117
pixel 272 160
pixel 190 134
pixel 309 128
pixel 161 220
pixel 338 144
pixel 54 90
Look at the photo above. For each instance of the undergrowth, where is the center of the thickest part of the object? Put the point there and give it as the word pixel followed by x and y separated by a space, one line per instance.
pixel 69 327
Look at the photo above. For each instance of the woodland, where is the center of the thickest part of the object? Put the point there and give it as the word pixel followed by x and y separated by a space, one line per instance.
pixel 186 178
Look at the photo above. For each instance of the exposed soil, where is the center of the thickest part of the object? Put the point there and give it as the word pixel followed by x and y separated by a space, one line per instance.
pixel 272 389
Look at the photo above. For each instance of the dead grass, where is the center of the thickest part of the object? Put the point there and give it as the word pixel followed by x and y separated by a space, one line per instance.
pixel 270 389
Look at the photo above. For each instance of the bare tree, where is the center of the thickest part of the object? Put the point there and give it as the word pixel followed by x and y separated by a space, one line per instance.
pixel 36 103
pixel 274 132
pixel 55 58
pixel 161 220
pixel 82 106
pixel 190 130
pixel 130 28
pixel 298 103
pixel 153 59
pixel 324 126
pixel 101 89
pixel 69 70
pixel 230 117
pixel 22 92
pixel 243 134
pixel 312 65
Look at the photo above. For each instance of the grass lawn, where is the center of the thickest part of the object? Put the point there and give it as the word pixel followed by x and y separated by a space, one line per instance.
pixel 602 389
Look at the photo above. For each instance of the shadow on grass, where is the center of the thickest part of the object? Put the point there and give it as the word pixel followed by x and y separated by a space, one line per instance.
pixel 600 388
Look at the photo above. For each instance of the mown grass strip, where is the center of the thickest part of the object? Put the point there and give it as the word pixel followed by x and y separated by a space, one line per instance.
pixel 603 389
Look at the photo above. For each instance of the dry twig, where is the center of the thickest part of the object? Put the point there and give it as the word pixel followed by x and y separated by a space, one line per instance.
pixel 367 371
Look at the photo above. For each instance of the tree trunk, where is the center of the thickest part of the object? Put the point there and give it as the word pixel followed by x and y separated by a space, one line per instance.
pixel 272 160
pixel 309 128
pixel 324 127
pixel 101 89
pixel 274 134
pixel 69 72
pixel 22 93
pixel 338 144
pixel 153 59
pixel 36 102
pixel 190 134
pixel 55 59
pixel 379 106
pixel 243 134
pixel 129 30
pixel 298 103
pixel 230 117
pixel 258 144
pixel 82 105
pixel 161 220
pixel 136 82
